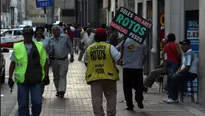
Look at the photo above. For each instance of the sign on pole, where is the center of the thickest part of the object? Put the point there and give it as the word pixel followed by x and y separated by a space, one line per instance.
pixel 43 3
pixel 131 25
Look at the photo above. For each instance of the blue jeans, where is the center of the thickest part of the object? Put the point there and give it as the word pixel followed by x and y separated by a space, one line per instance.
pixel 172 68
pixel 23 99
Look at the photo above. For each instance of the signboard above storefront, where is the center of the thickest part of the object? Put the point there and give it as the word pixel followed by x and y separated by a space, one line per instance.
pixel 131 25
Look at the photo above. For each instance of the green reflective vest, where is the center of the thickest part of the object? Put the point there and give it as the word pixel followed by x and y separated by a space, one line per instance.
pixel 101 65
pixel 21 60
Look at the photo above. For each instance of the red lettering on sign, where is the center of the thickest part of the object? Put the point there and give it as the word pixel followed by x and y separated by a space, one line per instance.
pixel 119 28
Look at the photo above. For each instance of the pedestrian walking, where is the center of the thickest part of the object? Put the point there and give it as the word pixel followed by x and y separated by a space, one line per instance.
pixel 102 73
pixel 76 35
pixel 59 47
pixel 28 63
pixel 39 37
pixel 70 34
pixel 61 28
pixel 87 40
pixel 133 59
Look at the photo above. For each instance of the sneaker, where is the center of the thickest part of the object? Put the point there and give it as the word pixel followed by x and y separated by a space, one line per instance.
pixel 171 101
pixel 165 99
pixel 57 94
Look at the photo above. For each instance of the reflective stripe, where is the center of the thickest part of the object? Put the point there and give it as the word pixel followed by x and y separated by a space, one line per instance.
pixel 19 64
pixel 17 75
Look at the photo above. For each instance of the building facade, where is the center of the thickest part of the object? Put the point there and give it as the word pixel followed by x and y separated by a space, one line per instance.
pixel 12 12
pixel 64 10
pixel 184 18
pixel 5 14
pixel 36 15
pixel 90 11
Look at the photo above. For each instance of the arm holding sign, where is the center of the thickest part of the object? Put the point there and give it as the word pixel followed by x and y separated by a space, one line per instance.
pixel 145 54
pixel 119 45
pixel 116 55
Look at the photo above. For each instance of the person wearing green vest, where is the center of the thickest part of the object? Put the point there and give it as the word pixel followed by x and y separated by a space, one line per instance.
pixel 28 63
pixel 102 73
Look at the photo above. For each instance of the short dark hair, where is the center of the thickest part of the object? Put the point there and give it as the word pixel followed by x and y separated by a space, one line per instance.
pixel 40 27
pixel 85 28
pixel 99 38
pixel 171 37
pixel 104 26
pixel 60 24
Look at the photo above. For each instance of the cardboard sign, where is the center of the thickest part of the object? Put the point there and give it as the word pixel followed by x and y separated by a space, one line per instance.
pixel 131 25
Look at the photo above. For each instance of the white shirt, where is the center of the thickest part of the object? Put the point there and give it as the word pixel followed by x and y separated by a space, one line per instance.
pixel 113 51
pixel 88 40
pixel 190 59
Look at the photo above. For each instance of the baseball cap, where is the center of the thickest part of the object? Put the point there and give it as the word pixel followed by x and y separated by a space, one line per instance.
pixel 100 31
pixel 27 29
pixel 184 42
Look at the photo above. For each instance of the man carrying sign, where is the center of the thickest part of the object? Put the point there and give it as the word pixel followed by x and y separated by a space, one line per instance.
pixel 134 53
pixel 133 58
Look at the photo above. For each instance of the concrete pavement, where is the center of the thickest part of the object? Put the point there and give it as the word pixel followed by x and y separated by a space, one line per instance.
pixel 77 101
pixel 8 99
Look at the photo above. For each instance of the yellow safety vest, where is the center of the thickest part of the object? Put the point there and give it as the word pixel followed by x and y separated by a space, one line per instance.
pixel 101 65
pixel 21 60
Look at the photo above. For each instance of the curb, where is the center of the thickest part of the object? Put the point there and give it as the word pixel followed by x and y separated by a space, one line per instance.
pixel 194 111
pixel 14 110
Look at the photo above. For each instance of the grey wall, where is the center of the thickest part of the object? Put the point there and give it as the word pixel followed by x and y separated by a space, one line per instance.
pixel 201 52
pixel 191 5
pixel 68 4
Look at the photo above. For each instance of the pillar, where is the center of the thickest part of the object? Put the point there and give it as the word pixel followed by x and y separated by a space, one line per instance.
pixel 144 9
pixel 174 18
pixel 201 52
pixel 154 33
pixel 136 6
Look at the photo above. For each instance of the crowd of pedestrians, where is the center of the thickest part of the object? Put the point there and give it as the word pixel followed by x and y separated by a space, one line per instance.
pixel 101 50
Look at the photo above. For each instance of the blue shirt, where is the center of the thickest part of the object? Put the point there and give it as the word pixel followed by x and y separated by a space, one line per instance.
pixel 61 30
pixel 60 48
pixel 76 33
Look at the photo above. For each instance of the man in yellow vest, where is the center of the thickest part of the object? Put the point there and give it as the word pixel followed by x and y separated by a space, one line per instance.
pixel 28 63
pixel 102 73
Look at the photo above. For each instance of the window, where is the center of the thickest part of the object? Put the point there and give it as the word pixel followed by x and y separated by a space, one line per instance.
pixel 7 33
pixel 17 32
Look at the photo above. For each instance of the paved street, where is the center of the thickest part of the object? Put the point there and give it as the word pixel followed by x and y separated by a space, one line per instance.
pixel 77 101
pixel 8 100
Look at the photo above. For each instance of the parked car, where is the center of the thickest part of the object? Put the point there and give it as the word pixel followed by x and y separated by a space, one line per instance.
pixel 11 36
pixel 2 65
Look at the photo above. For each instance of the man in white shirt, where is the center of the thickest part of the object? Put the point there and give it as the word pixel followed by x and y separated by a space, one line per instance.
pixel 87 40
pixel 187 72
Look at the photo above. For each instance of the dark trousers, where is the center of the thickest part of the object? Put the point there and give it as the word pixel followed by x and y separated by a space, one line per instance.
pixel 178 80
pixel 42 87
pixel 133 78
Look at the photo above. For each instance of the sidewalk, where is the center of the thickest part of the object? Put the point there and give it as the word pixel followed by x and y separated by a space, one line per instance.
pixel 77 101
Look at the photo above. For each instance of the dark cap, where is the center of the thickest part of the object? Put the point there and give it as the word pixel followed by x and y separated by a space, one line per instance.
pixel 101 31
pixel 184 42
pixel 27 29
pixel 40 27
